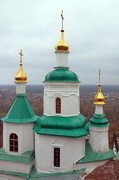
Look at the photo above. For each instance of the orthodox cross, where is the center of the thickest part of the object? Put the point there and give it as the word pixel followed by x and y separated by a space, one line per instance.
pixel 21 56
pixel 62 18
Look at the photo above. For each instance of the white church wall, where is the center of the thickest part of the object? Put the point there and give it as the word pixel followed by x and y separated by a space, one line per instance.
pixel 71 150
pixel 28 137
pixel 9 128
pixel 99 139
pixel 25 136
pixel 69 94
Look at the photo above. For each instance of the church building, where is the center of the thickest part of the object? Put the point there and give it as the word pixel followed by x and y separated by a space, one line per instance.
pixel 60 143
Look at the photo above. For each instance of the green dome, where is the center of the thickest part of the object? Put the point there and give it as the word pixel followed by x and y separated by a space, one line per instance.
pixel 61 75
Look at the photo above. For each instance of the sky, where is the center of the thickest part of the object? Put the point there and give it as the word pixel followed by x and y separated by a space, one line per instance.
pixel 91 31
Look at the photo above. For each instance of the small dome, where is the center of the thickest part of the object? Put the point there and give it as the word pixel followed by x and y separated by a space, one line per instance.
pixel 61 75
pixel 62 45
pixel 99 98
pixel 20 76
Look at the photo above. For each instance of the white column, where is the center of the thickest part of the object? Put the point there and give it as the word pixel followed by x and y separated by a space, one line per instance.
pixel 99 109
pixel 20 88
pixel 62 58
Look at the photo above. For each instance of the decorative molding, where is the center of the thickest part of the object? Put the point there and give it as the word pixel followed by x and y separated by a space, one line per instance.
pixel 60 95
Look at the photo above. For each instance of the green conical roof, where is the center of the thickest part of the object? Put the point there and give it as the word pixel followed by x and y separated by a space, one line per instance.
pixel 20 111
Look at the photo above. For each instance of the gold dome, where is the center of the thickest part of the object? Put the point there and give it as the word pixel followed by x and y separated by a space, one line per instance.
pixel 62 45
pixel 99 98
pixel 20 76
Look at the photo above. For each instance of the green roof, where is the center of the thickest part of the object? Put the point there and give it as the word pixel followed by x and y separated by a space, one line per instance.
pixel 99 121
pixel 61 75
pixel 20 111
pixel 34 174
pixel 73 126
pixel 91 156
pixel 26 176
pixel 26 157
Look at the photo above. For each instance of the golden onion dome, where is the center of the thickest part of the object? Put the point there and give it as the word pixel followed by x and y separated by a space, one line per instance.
pixel 99 98
pixel 20 76
pixel 62 45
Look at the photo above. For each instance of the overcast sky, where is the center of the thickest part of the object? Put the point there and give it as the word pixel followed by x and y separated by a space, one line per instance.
pixel 91 30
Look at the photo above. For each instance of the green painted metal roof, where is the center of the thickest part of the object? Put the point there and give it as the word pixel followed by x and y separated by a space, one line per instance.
pixel 26 157
pixel 26 176
pixel 99 121
pixel 61 75
pixel 20 111
pixel 35 174
pixel 73 126
pixel 91 156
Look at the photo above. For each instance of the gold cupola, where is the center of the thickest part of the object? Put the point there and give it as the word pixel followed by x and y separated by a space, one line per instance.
pixel 20 76
pixel 99 98
pixel 62 45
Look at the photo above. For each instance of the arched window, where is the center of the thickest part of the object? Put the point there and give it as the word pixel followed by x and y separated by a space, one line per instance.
pixel 13 142
pixel 58 105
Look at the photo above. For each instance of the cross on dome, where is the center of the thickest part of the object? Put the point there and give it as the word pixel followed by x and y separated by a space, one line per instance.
pixel 62 18
pixel 62 45
pixel 21 56
pixel 20 76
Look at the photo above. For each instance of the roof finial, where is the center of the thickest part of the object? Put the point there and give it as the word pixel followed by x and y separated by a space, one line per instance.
pixel 99 98
pixel 62 45
pixel 20 76
pixel 21 56
pixel 62 18
pixel 99 75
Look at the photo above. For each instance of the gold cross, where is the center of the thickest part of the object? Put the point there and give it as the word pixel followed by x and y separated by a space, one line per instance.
pixel 62 18
pixel 21 56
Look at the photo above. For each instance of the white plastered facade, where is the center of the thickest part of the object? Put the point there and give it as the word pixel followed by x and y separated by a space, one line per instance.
pixel 68 92
pixel 71 149
pixel 25 136
pixel 99 139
